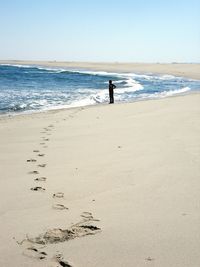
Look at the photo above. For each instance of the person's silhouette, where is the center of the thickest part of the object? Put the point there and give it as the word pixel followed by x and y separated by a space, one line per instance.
pixel 111 91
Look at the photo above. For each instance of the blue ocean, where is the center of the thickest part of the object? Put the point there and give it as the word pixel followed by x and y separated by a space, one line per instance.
pixel 35 88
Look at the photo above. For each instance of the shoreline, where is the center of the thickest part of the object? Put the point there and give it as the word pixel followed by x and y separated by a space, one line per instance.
pixel 187 70
pixel 61 109
pixel 118 67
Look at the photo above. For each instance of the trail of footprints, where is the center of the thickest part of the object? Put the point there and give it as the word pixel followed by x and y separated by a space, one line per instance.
pixel 39 154
pixel 32 246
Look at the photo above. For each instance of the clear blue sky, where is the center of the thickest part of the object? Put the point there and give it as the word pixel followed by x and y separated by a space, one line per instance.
pixel 103 30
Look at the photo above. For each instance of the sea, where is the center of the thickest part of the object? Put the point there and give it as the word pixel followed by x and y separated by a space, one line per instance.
pixel 28 89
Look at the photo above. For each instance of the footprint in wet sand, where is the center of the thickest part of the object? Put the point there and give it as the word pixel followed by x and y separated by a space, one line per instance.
pixel 59 207
pixel 42 165
pixel 33 252
pixel 149 259
pixel 34 172
pixel 46 139
pixel 36 151
pixel 31 160
pixel 88 216
pixel 41 155
pixel 58 259
pixel 58 235
pixel 58 195
pixel 38 188
pixel 46 129
pixel 40 179
pixel 42 143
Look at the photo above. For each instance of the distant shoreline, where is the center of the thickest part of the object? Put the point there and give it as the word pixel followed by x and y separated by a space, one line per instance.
pixel 188 70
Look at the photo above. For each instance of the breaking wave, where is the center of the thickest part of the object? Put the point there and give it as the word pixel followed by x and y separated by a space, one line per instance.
pixel 33 88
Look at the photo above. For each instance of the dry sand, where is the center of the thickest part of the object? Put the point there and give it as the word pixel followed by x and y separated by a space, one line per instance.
pixel 183 70
pixel 117 185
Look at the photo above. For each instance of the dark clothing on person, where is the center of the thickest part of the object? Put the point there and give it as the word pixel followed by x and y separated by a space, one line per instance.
pixel 111 92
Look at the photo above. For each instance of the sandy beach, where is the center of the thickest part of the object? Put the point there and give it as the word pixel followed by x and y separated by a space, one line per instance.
pixel 177 69
pixel 99 134
pixel 108 185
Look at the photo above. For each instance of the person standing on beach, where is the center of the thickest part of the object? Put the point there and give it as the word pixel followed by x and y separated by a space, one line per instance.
pixel 111 91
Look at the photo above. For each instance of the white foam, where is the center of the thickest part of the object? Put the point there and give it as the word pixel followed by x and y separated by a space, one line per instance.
pixel 134 84
pixel 167 77
pixel 117 82
pixel 83 102
pixel 174 92
pixel 131 86
pixel 18 65
pixel 134 75
pixel 51 70
pixel 165 93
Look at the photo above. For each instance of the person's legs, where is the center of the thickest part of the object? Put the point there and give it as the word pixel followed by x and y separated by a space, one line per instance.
pixel 111 97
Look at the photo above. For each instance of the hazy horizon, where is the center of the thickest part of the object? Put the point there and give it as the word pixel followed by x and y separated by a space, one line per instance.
pixel 100 62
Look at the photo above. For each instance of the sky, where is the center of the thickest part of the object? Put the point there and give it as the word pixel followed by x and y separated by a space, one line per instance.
pixel 102 30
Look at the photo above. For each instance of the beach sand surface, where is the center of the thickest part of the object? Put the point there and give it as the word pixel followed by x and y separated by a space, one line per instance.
pixel 109 185
pixel 178 69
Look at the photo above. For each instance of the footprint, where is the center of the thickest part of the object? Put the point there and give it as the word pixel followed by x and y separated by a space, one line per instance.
pixel 58 195
pixel 59 207
pixel 42 143
pixel 33 252
pixel 58 235
pixel 46 129
pixel 42 165
pixel 40 179
pixel 45 139
pixel 59 260
pixel 51 126
pixel 87 216
pixel 38 188
pixel 34 172
pixel 36 151
pixel 41 155
pixel 149 259
pixel 31 160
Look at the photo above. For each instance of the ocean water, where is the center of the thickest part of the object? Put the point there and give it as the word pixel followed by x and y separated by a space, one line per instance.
pixel 36 88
